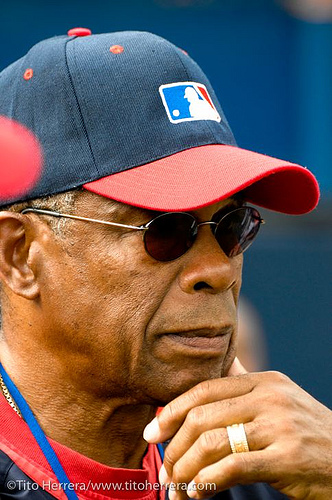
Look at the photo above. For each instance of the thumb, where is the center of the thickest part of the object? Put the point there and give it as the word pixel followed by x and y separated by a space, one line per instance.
pixel 236 369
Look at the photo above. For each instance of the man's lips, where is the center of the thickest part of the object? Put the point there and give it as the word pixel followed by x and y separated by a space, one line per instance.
pixel 208 332
pixel 203 339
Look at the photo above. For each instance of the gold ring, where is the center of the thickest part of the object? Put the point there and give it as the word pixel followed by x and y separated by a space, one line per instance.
pixel 237 438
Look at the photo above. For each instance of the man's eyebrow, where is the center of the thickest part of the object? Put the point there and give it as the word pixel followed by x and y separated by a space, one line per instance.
pixel 238 198
pixel 234 202
pixel 126 213
pixel 123 212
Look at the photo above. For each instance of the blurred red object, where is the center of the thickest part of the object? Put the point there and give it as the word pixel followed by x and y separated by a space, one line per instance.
pixel 20 159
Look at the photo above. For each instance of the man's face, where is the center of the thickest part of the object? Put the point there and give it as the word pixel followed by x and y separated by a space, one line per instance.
pixel 123 324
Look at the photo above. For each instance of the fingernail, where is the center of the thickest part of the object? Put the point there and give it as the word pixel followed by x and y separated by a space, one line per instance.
pixel 192 490
pixel 172 494
pixel 163 476
pixel 152 431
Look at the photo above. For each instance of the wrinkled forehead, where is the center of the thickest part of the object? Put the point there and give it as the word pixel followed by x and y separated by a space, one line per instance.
pixel 94 204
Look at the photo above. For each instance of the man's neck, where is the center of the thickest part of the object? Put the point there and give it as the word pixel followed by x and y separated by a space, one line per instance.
pixel 105 430
pixel 111 435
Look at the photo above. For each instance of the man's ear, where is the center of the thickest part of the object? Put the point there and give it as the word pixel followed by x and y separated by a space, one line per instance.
pixel 16 264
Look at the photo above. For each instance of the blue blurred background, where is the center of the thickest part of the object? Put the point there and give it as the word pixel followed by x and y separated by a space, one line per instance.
pixel 270 63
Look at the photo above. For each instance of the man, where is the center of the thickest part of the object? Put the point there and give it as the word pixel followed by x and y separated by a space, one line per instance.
pixel 120 274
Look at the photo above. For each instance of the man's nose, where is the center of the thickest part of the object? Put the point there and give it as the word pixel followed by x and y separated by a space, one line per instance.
pixel 206 267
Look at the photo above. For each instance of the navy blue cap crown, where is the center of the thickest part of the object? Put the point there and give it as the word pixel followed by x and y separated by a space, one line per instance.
pixel 98 106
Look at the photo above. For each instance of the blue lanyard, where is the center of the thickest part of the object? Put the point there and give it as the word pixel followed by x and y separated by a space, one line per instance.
pixel 39 436
pixel 161 451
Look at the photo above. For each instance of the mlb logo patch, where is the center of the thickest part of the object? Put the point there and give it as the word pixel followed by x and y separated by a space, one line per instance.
pixel 188 101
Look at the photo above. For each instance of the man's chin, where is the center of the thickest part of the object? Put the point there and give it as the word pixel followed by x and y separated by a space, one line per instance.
pixel 172 388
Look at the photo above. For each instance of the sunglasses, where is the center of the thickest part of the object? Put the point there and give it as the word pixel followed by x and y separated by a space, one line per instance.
pixel 169 235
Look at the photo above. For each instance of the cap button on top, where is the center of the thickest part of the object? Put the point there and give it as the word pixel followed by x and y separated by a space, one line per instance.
pixel 79 32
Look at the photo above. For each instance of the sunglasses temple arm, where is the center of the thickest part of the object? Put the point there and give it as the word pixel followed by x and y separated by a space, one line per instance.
pixel 76 217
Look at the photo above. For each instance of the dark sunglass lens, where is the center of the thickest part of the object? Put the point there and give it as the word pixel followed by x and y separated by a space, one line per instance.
pixel 237 230
pixel 170 235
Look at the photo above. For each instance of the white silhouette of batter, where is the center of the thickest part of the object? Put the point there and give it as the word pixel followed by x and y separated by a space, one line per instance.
pixel 199 108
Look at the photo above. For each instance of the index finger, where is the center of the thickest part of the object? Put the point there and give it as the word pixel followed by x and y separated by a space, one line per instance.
pixel 170 419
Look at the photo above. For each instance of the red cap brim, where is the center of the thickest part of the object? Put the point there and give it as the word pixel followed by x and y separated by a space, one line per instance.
pixel 203 175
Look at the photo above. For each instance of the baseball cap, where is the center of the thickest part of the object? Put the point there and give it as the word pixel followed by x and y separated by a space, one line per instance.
pixel 130 116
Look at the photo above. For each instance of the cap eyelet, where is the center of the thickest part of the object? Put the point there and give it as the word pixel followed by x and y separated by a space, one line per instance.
pixel 28 74
pixel 116 49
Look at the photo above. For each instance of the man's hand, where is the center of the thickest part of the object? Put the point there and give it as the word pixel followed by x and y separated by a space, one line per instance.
pixel 288 431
